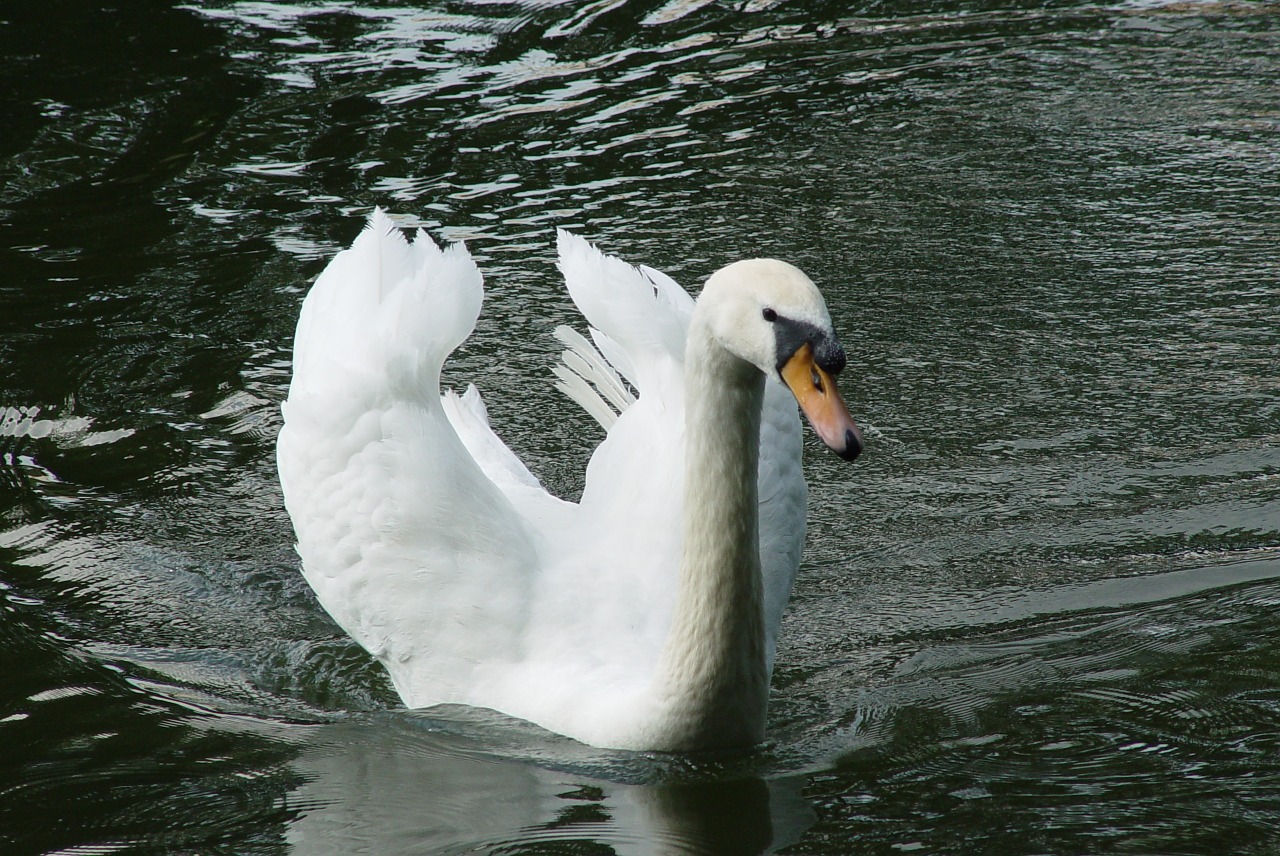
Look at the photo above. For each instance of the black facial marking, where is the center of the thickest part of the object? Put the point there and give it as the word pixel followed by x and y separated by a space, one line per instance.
pixel 830 356
pixel 791 335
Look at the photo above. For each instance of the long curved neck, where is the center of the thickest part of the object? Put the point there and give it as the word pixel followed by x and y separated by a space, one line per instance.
pixel 713 672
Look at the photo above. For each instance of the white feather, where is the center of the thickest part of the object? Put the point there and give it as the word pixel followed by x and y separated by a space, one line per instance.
pixel 431 543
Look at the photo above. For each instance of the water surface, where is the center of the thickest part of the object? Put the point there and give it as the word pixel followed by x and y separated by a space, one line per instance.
pixel 1038 616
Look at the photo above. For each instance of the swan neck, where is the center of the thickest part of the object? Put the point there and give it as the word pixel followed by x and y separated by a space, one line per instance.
pixel 714 664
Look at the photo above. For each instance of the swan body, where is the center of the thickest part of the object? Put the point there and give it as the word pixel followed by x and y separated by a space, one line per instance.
pixel 645 616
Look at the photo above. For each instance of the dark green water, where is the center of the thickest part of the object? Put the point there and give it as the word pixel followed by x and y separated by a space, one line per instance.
pixel 1039 615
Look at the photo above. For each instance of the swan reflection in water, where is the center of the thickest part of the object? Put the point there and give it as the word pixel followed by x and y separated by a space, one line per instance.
pixel 396 784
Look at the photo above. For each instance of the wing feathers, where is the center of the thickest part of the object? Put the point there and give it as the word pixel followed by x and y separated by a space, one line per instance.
pixel 587 378
pixel 430 541
pixel 387 310
pixel 644 317
pixel 403 502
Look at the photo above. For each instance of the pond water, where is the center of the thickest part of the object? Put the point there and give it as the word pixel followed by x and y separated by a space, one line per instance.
pixel 1038 616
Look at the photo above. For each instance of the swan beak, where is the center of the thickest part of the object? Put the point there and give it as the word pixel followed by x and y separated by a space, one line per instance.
pixel 826 411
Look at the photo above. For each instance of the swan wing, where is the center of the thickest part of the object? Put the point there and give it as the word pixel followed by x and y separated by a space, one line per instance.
pixel 548 515
pixel 632 502
pixel 404 532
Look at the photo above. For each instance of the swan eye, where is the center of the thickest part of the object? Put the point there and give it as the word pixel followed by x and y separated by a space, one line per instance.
pixel 769 315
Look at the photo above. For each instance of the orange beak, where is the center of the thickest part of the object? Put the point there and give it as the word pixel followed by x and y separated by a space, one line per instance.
pixel 826 411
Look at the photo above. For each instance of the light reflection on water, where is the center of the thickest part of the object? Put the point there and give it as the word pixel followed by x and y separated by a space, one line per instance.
pixel 1033 617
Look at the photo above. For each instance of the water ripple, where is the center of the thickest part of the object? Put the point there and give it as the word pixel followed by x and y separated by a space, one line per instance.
pixel 1034 618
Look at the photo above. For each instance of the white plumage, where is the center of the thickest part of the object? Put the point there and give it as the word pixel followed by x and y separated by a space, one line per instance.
pixel 429 541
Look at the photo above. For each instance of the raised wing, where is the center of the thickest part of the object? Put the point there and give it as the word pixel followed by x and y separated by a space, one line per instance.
pixel 633 498
pixel 402 534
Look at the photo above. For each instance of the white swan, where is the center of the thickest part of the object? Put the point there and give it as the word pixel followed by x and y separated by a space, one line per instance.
pixel 642 617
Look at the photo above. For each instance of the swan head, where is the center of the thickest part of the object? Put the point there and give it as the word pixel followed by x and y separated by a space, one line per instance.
pixel 770 314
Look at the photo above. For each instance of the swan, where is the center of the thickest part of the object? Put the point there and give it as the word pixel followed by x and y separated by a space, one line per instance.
pixel 644 616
